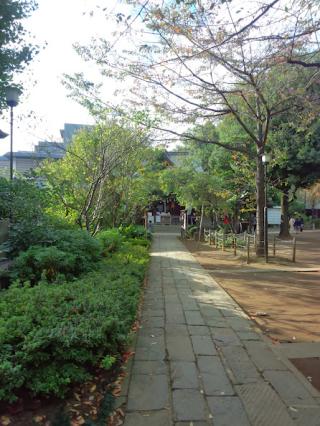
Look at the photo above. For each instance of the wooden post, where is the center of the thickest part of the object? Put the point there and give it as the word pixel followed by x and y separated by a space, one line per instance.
pixel 294 250
pixel 235 246
pixel 223 241
pixel 274 245
pixel 215 239
pixel 248 250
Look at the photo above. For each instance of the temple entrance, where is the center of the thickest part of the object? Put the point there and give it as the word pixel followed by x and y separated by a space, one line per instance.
pixel 165 211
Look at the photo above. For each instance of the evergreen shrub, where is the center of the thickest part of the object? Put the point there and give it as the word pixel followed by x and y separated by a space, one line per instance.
pixel 52 335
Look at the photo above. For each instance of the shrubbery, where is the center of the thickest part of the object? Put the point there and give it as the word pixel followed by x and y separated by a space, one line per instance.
pixel 64 255
pixel 134 231
pixel 110 239
pixel 51 334
pixel 72 300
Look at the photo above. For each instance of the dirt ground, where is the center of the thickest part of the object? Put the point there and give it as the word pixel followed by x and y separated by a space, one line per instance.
pixel 282 297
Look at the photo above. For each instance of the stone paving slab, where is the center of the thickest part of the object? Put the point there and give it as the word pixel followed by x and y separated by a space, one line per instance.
pixel 203 345
pixel 184 375
pixel 199 359
pixel 149 367
pixel 199 330
pixel 239 362
pixel 213 375
pixel 180 348
pixel 189 404
pixel 148 392
pixel 228 410
pixel 262 356
pixel 225 337
pixel 152 418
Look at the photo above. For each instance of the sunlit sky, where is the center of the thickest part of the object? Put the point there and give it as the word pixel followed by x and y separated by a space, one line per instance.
pixel 59 23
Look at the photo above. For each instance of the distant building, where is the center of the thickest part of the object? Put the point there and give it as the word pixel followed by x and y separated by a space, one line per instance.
pixel 71 129
pixel 24 161
pixel 176 158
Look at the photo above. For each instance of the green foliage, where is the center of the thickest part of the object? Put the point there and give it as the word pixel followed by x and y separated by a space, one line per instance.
pixel 50 335
pixel 65 254
pixel 192 230
pixel 15 52
pixel 108 361
pixel 89 186
pixel 110 240
pixel 25 204
pixel 134 231
pixel 296 150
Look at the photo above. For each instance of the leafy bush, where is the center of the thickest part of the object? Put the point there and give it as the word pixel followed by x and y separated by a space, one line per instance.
pixel 138 242
pixel 24 203
pixel 135 231
pixel 72 253
pixel 45 262
pixel 110 239
pixel 80 243
pixel 192 230
pixel 51 335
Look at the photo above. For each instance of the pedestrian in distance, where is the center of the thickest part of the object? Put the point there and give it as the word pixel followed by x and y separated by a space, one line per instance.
pixel 291 224
pixel 301 224
pixel 297 225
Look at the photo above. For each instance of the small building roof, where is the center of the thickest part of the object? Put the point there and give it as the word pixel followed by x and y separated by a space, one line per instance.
pixel 176 157
pixel 34 155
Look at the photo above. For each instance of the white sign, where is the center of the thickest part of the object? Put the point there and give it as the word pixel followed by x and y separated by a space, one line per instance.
pixel 274 216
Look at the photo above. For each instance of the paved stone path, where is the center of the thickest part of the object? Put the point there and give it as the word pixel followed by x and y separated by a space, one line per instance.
pixel 199 361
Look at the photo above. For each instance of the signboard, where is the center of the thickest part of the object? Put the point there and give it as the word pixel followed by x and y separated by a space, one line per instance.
pixel 274 216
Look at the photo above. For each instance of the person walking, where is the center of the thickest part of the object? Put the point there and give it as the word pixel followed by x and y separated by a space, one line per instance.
pixel 297 225
pixel 301 224
pixel 291 224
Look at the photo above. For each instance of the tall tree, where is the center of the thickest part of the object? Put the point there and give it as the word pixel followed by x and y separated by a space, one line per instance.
pixel 202 61
pixel 15 51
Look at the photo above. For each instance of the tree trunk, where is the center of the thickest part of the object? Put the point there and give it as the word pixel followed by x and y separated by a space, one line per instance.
pixel 260 190
pixel 236 218
pixel 201 222
pixel 284 227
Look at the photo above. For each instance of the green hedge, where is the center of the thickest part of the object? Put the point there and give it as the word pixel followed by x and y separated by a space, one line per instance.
pixel 71 253
pixel 51 335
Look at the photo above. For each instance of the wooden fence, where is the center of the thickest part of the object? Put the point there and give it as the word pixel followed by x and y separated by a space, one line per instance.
pixel 246 244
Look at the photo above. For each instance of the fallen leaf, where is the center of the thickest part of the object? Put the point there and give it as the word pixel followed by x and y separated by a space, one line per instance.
pixel 116 392
pixel 39 419
pixel 5 420
pixel 93 388
pixel 120 411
